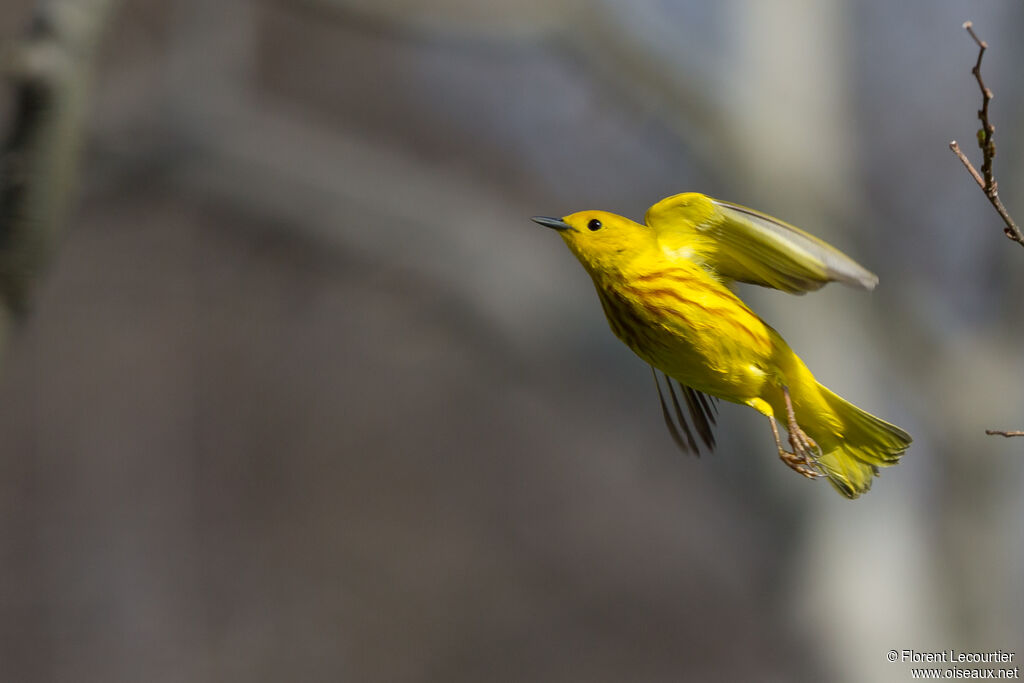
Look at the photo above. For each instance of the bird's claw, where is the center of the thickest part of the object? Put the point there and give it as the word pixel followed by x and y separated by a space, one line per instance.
pixel 806 452
pixel 801 464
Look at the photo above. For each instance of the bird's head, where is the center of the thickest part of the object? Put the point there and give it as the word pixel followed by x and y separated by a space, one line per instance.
pixel 604 242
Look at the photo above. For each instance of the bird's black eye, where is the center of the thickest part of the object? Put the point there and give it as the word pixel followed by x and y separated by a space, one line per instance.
pixel 594 224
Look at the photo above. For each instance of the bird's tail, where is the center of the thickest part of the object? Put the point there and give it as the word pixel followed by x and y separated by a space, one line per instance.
pixel 866 443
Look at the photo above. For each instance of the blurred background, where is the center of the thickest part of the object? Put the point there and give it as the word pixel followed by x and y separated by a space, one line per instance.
pixel 304 395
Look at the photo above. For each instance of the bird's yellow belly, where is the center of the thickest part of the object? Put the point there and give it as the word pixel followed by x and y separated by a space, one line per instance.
pixel 713 363
pixel 725 350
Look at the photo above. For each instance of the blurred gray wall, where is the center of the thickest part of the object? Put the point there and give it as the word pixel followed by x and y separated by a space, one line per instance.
pixel 305 395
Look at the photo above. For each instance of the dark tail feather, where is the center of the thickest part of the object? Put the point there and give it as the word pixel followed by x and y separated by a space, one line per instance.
pixel 702 414
pixel 688 446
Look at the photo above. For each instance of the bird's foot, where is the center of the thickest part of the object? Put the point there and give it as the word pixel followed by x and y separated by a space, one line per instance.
pixel 800 463
pixel 803 458
pixel 806 452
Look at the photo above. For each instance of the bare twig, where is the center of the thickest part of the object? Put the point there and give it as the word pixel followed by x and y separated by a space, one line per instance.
pixel 986 178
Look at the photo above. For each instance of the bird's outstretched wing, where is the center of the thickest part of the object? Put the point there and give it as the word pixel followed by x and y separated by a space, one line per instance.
pixel 745 245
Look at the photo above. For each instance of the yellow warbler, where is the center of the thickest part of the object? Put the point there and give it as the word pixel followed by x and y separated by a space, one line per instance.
pixel 664 287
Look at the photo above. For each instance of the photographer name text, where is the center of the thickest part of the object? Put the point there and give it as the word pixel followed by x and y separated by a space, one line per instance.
pixel 955 657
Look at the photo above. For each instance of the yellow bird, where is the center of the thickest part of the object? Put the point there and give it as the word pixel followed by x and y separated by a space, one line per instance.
pixel 665 289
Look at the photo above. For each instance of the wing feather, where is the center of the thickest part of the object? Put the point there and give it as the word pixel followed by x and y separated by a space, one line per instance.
pixel 700 406
pixel 745 245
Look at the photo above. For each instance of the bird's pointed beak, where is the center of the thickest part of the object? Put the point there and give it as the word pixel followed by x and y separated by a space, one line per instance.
pixel 553 223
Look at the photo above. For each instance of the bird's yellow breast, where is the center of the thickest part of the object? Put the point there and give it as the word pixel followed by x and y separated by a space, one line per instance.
pixel 678 318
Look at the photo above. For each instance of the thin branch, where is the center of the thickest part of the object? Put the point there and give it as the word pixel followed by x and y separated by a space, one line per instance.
pixel 967 164
pixel 1000 432
pixel 986 178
